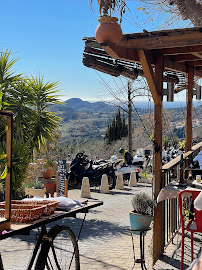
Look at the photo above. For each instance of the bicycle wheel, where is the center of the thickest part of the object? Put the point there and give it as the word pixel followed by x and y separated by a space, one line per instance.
pixel 63 252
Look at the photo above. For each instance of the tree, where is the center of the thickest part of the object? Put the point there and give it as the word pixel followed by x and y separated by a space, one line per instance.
pixel 29 100
pixel 117 129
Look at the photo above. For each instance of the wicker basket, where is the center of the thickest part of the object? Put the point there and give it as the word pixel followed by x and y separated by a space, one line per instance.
pixel 50 205
pixel 23 213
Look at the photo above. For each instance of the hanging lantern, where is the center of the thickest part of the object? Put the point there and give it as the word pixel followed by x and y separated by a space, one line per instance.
pixel 108 30
pixel 170 92
pixel 198 92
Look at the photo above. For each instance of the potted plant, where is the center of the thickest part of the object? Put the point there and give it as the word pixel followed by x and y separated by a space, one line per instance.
pixel 108 29
pixel 35 189
pixel 48 169
pixel 143 211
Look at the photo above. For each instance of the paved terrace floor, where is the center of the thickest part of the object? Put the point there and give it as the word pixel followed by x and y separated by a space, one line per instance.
pixel 105 243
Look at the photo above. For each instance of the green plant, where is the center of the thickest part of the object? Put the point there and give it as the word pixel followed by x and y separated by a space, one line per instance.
pixel 48 164
pixel 143 204
pixel 37 185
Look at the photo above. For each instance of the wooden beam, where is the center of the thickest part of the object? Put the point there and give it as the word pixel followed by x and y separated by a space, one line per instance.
pixel 199 55
pixel 149 75
pixel 162 41
pixel 184 57
pixel 179 50
pixel 179 67
pixel 157 227
pixel 189 109
pixel 195 63
pixel 9 164
pixel 121 53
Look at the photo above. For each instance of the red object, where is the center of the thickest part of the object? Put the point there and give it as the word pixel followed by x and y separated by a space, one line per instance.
pixel 47 174
pixel 194 225
pixel 108 30
pixel 50 188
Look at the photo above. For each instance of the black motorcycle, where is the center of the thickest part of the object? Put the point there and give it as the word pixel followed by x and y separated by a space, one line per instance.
pixel 82 167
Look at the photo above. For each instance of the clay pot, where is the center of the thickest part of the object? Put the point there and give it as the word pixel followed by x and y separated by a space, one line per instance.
pixel 50 188
pixel 47 174
pixel 108 30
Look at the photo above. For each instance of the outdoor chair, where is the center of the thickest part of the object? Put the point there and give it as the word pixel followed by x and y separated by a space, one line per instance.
pixel 191 219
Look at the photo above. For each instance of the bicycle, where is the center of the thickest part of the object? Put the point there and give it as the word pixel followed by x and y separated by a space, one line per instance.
pixel 56 249
pixel 59 250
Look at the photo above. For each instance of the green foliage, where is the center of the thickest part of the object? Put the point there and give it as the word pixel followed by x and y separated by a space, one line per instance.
pixel 174 141
pixel 143 204
pixel 48 164
pixel 165 142
pixel 117 129
pixel 21 158
pixel 33 123
pixel 37 185
pixel 179 132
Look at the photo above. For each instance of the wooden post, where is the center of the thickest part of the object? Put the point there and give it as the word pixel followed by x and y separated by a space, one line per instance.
pixel 189 109
pixel 130 142
pixel 157 228
pixel 66 188
pixel 5 223
pixel 57 183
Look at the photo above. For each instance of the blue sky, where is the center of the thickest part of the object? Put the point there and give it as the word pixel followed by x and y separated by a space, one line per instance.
pixel 46 36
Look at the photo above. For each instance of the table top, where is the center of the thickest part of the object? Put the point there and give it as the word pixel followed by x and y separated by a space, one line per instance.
pixel 22 228
pixel 171 191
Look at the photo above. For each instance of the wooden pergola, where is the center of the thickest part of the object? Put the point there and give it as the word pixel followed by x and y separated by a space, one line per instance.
pixel 170 55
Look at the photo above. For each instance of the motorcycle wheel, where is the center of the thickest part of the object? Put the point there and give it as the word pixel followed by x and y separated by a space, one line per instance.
pixel 72 181
pixel 111 181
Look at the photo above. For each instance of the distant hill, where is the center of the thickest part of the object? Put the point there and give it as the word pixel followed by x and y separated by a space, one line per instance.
pixel 81 105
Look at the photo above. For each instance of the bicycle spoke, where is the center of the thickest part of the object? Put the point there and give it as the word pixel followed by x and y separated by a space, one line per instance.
pixel 63 253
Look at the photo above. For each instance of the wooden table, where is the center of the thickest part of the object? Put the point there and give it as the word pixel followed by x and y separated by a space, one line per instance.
pixel 196 184
pixel 23 228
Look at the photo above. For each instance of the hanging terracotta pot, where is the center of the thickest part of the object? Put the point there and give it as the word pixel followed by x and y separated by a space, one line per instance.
pixel 108 30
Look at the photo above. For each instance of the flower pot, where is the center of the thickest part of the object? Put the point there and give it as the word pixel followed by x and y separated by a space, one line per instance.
pixel 50 188
pixel 139 222
pixel 108 30
pixel 47 174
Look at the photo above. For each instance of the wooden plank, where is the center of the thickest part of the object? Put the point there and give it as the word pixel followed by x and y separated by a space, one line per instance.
pixel 66 188
pixel 9 165
pixel 159 42
pixel 185 57
pixel 195 63
pixel 199 55
pixel 179 50
pixel 189 109
pixel 149 75
pixel 157 227
pixel 121 53
pixel 179 67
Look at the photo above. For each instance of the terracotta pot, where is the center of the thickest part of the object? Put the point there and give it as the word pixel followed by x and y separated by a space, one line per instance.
pixel 50 188
pixel 47 174
pixel 108 30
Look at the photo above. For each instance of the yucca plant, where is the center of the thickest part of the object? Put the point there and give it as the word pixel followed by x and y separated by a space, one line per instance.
pixel 143 204
pixel 105 5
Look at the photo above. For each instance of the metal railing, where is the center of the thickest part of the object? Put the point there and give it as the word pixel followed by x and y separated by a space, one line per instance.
pixel 175 169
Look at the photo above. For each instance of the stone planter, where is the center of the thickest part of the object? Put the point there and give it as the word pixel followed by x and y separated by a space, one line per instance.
pixel 35 192
pixel 108 30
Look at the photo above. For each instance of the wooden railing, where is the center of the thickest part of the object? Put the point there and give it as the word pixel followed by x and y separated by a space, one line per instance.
pixel 175 169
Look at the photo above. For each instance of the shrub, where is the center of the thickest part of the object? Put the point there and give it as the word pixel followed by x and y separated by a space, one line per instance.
pixel 143 204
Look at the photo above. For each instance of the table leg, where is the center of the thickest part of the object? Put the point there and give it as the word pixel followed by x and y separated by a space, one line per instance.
pixel 1 263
